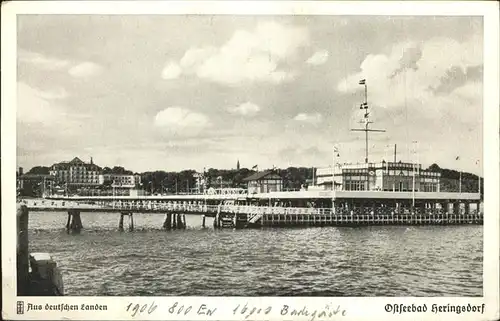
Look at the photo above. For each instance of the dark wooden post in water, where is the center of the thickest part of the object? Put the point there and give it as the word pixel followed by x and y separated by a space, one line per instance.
pixel 184 221
pixel 203 221
pixel 22 250
pixel 179 222
pixel 76 222
pixel 174 221
pixel 217 216
pixel 131 221
pixel 120 224
pixel 68 223
pixel 34 283
pixel 167 224
pixel 216 221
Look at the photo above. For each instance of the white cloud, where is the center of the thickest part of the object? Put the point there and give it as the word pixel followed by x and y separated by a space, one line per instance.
pixel 42 61
pixel 171 71
pixel 318 58
pixel 85 69
pixel 464 104
pixel 245 109
pixel 309 118
pixel 248 56
pixel 194 57
pixel 34 107
pixel 471 90
pixel 410 73
pixel 177 119
pixel 78 70
pixel 57 93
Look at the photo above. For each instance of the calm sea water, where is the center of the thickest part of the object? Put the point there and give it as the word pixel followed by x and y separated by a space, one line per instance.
pixel 327 261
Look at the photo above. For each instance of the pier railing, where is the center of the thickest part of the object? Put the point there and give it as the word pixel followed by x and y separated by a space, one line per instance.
pixel 253 211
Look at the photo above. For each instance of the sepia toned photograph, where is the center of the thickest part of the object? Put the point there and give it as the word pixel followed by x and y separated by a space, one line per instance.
pixel 161 162
pixel 208 155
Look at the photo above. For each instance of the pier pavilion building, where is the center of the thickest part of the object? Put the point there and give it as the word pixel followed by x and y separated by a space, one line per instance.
pixel 383 176
pixel 118 184
pixel 264 182
pixel 120 180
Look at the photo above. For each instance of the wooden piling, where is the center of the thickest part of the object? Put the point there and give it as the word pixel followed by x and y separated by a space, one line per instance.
pixel 120 223
pixel 22 250
pixel 217 221
pixel 131 222
pixel 76 221
pixel 174 221
pixel 167 223
pixel 179 221
pixel 68 223
pixel 203 221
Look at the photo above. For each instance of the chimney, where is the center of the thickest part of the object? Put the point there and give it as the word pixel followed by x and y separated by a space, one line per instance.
pixel 91 161
pixel 20 171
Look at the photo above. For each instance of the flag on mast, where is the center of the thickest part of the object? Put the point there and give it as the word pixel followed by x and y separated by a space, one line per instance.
pixel 459 178
pixel 254 167
pixel 362 82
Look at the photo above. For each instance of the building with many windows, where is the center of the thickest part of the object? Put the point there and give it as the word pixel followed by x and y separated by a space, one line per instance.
pixel 264 182
pixel 77 174
pixel 121 180
pixel 384 176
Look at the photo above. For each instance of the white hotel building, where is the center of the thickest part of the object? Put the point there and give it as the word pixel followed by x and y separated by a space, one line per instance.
pixel 77 175
pixel 384 176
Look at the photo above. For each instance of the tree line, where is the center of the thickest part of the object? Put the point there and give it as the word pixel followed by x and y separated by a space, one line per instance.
pixel 293 178
pixel 452 179
pixel 185 181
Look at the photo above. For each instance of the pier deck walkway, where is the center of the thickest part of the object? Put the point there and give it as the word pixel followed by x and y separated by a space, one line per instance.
pixel 311 194
pixel 231 215
pixel 195 208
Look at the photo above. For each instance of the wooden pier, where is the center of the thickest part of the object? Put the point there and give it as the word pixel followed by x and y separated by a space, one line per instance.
pixel 254 216
pixel 364 220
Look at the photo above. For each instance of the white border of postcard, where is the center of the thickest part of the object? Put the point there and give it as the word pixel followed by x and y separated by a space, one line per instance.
pixel 257 308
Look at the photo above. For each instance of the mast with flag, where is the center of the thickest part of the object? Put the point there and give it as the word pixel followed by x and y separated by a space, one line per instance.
pixel 459 177
pixel 334 192
pixel 415 162
pixel 478 179
pixel 366 119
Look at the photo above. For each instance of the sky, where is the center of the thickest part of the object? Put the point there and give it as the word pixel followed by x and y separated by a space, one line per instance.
pixel 174 92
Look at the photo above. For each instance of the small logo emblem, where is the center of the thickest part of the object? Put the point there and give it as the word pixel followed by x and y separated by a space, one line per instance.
pixel 20 307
